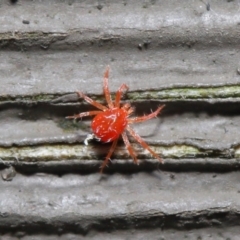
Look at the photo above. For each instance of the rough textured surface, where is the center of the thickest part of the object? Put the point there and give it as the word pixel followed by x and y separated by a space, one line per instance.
pixel 185 55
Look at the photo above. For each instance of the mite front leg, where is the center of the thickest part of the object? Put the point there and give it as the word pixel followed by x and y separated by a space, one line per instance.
pixel 91 101
pixel 106 88
pixel 84 114
pixel 119 93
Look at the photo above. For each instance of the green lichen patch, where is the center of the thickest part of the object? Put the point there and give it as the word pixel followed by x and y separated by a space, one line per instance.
pixel 177 93
pixel 71 125
pixel 28 98
pixel 180 93
pixel 47 153
pixel 81 152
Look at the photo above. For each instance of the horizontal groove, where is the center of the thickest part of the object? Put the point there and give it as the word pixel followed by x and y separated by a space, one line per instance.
pixel 174 93
pixel 26 40
pixel 155 35
pixel 86 159
pixel 196 93
pixel 82 152
pixel 49 50
pixel 29 35
pixel 82 224
pixel 60 167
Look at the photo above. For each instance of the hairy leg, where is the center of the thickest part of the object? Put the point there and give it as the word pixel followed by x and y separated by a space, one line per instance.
pixel 129 147
pixel 119 93
pixel 114 144
pixel 144 144
pixel 84 114
pixel 91 101
pixel 147 117
pixel 106 89
pixel 128 108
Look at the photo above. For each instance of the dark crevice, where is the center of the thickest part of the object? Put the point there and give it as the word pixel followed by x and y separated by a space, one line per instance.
pixel 36 110
pixel 82 225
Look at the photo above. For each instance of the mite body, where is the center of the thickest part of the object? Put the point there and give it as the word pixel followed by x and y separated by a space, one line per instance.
pixel 112 121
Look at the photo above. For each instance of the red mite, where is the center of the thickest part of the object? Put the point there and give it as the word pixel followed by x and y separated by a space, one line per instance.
pixel 113 120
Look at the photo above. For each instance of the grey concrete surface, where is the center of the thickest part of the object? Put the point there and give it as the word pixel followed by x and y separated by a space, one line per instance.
pixel 107 202
pixel 182 54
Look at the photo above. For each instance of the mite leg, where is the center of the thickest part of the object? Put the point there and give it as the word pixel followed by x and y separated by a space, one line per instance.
pixel 84 114
pixel 106 89
pixel 129 147
pixel 91 101
pixel 147 117
pixel 114 144
pixel 119 93
pixel 144 144
pixel 128 108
